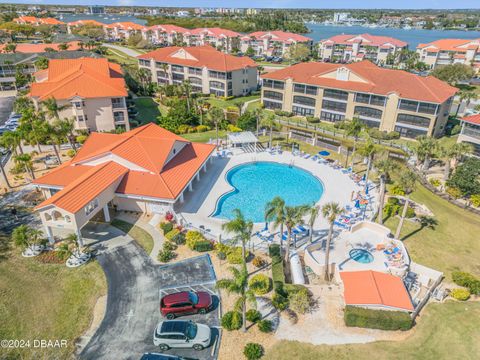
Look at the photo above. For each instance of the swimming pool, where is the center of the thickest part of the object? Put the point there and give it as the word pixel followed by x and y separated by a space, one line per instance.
pixel 257 183
pixel 361 256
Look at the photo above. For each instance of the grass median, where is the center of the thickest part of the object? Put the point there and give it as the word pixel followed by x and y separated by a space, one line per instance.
pixel 142 237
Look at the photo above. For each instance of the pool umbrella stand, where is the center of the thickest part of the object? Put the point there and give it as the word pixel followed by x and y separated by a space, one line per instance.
pixel 323 153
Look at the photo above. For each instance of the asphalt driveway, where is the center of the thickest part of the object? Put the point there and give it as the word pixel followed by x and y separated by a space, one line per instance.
pixel 134 287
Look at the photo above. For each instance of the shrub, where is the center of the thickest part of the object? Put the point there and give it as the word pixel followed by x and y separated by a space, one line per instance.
pixel 467 280
pixel 202 246
pixel 291 315
pixel 179 239
pixel 377 319
pixel 167 245
pixel 279 302
pixel 232 320
pixel 283 113
pixel 71 153
pixel 193 237
pixel 183 129
pixel 410 212
pixel 253 351
pixel 277 269
pixel 460 294
pixel 265 326
pixel 233 128
pixel 81 139
pixel 274 250
pixel 392 135
pixel 253 315
pixel 397 190
pixel 300 301
pixel 258 262
pixel 435 182
pixel 260 284
pixel 221 255
pixel 202 128
pixel 234 256
pixel 166 227
pixel 454 192
pixel 165 255
pixel 313 119
pixel 475 199
pixel 171 234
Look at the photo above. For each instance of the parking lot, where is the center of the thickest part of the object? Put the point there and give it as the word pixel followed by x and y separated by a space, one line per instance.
pixel 6 106
pixel 133 302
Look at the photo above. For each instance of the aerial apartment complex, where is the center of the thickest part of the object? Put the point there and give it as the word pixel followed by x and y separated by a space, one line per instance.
pixel 35 21
pixel 91 91
pixel 451 51
pixel 470 132
pixel 273 43
pixel 209 71
pixel 390 100
pixel 348 48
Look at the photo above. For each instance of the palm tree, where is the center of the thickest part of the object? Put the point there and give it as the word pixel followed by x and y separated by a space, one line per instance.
pixel 368 150
pixel 425 148
pixel 187 89
pixel 354 128
pixel 330 211
pixel 313 212
pixel 63 46
pixel 66 128
pixel 52 108
pixel 10 48
pixel 460 150
pixel 293 217
pixel 4 174
pixel 467 96
pixel 269 121
pixel 165 71
pixel 12 140
pixel 56 138
pixel 242 230
pixel 275 211
pixel 407 183
pixel 383 167
pixel 25 236
pixel 217 116
pixel 239 285
pixel 25 160
pixel 258 115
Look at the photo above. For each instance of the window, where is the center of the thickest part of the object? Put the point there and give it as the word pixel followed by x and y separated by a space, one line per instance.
pixel 427 108
pixel 370 123
pixel 298 110
pixel 303 100
pixel 273 84
pixel 413 120
pixel 408 132
pixel 333 105
pixel 144 62
pixel 305 89
pixel 118 103
pixel 335 94
pixel 408 105
pixel 217 85
pixel 78 104
pixel 471 130
pixel 162 74
pixel 195 81
pixel 370 99
pixel 81 118
pixel 274 95
pixel 272 105
pixel 368 112
pixel 217 92
pixel 67 219
pixel 177 68
pixel 324 115
pixel 119 116
pixel 159 64
pixel 229 75
pixel 216 74
pixel 92 205
pixel 178 77
pixel 194 71
pixel 229 85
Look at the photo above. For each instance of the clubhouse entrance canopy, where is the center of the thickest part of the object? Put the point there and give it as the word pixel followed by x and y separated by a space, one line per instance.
pixel 242 138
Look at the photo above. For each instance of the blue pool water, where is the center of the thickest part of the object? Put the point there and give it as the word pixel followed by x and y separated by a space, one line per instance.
pixel 361 256
pixel 257 183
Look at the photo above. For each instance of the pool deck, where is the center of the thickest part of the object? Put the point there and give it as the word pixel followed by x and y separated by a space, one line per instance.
pixel 200 204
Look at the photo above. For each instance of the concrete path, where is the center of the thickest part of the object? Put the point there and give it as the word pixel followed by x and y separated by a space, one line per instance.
pixel 134 284
pixel 123 49
pixel 245 105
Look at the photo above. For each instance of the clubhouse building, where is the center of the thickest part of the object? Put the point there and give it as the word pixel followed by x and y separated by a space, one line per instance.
pixel 145 170
pixel 390 100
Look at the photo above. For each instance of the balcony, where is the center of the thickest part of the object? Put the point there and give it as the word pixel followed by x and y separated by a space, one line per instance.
pixel 119 103
pixel 119 117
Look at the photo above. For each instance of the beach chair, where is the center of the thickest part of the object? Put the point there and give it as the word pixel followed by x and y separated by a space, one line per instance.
pixel 347 171
pixel 307 156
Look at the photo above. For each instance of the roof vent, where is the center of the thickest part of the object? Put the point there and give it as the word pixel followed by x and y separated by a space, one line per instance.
pixel 343 74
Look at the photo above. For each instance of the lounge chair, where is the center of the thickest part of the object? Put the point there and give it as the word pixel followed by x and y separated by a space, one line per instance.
pixel 343 226
pixel 307 156
pixel 347 171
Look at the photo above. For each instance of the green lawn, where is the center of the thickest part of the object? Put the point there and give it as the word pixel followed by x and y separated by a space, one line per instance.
pixel 143 238
pixel 204 136
pixel 148 110
pixel 444 331
pixel 454 243
pixel 226 103
pixel 45 301
pixel 121 58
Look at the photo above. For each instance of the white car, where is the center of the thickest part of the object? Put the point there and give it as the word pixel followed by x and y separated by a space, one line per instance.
pixel 181 334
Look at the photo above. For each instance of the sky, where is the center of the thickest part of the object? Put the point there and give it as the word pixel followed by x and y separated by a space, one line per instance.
pixel 337 4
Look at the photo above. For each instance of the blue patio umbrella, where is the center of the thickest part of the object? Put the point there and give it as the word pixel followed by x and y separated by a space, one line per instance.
pixel 357 204
pixel 364 177
pixel 366 190
pixel 323 153
pixel 266 226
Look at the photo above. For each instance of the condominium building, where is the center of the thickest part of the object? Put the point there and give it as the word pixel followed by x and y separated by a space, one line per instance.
pixel 390 100
pixel 79 23
pixel 209 71
pixel 123 30
pixel 35 21
pixel 222 39
pixel 272 43
pixel 91 91
pixel 24 48
pixel 167 35
pixel 470 132
pixel 451 51
pixel 346 48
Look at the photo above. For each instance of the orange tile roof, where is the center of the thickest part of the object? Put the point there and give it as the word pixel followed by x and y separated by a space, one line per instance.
pixel 83 77
pixel 451 44
pixel 38 48
pixel 366 39
pixel 37 21
pixel 87 187
pixel 281 36
pixel 86 22
pixel 218 32
pixel 144 151
pixel 199 56
pixel 126 25
pixel 168 28
pixel 376 289
pixel 377 80
pixel 472 119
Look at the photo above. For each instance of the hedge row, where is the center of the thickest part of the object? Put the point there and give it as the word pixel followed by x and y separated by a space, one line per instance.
pixel 467 280
pixel 377 319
